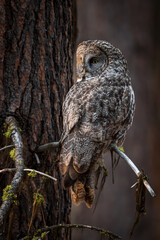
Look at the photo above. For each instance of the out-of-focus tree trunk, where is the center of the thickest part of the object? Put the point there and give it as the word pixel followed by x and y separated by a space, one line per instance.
pixel 36 55
pixel 133 26
pixel 155 113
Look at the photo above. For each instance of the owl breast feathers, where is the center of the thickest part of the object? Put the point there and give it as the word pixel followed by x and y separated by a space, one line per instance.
pixel 98 111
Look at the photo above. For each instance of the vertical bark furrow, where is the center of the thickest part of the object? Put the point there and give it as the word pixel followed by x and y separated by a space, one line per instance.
pixel 2 50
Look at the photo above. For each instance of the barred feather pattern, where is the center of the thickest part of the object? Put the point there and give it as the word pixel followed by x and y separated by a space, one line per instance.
pixel 98 110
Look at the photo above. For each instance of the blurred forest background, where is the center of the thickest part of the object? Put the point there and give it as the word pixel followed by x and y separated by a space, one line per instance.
pixel 134 27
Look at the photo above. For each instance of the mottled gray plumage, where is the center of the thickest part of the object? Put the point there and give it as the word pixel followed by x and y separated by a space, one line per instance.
pixel 97 111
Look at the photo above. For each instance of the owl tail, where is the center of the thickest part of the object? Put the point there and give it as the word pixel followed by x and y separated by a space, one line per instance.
pixel 70 177
pixel 77 167
pixel 81 185
pixel 83 190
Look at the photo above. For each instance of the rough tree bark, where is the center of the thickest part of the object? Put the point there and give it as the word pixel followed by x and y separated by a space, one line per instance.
pixel 36 53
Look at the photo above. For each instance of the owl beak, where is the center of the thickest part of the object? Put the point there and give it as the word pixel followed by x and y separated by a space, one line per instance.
pixel 81 76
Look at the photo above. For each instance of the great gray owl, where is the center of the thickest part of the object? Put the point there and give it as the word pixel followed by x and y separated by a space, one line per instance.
pixel 97 112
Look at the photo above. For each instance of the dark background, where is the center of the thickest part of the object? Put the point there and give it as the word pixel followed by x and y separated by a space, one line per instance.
pixel 134 27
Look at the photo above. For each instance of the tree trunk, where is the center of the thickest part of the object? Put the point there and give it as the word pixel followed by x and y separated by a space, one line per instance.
pixel 36 53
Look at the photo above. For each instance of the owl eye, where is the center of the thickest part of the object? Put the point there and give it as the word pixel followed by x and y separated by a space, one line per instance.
pixel 93 61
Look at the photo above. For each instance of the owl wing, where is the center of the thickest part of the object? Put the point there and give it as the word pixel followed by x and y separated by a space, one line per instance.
pixel 74 106
pixel 78 145
pixel 72 115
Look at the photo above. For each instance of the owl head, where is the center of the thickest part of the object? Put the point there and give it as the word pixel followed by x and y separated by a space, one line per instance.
pixel 98 58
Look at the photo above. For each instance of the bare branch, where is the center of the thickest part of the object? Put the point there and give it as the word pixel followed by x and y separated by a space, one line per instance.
pixel 7 170
pixel 28 170
pixel 9 146
pixel 19 163
pixel 48 146
pixel 104 232
pixel 133 166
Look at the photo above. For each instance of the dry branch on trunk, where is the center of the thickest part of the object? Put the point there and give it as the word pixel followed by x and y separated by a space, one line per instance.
pixel 19 163
pixel 48 146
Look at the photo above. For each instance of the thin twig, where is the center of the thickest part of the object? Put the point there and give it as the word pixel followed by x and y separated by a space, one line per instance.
pixel 19 163
pixel 9 146
pixel 104 232
pixel 133 166
pixel 28 170
pixel 37 158
pixel 140 201
pixel 41 173
pixel 48 146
